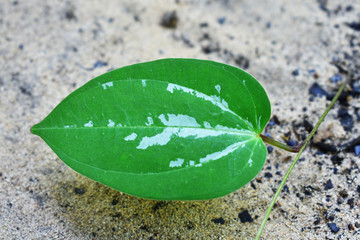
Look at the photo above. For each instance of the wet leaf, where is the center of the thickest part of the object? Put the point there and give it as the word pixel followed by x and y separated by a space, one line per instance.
pixel 172 129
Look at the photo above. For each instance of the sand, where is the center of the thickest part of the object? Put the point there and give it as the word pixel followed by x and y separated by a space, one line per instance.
pixel 49 49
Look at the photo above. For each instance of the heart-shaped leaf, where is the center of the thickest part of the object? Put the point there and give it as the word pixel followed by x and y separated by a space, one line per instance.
pixel 172 129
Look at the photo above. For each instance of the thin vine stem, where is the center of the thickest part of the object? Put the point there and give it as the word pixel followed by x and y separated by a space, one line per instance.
pixel 294 149
pixel 306 142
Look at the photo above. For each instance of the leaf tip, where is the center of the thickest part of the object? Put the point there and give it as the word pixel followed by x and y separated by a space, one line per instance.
pixel 34 129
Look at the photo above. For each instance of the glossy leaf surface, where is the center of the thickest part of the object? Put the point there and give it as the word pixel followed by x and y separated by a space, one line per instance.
pixel 172 129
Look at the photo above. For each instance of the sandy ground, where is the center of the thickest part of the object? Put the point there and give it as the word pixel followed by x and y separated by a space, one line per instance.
pixel 50 48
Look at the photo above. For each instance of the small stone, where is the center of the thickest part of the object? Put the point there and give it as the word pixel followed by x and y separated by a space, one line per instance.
pixel 336 78
pixel 328 185
pixel 219 220
pixel 169 19
pixel 291 143
pixel 268 175
pixel 79 191
pixel 343 194
pixel 333 227
pixel 221 20
pixel 100 64
pixel 346 119
pixel 317 91
pixel 354 25
pixel 245 217
pixel 357 150
pixel 242 61
pixel 336 160
pixel 317 221
pixel 296 72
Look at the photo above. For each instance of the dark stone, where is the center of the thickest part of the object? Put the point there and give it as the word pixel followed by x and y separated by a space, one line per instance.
pixel 323 6
pixel 268 175
pixel 219 220
pixel 333 227
pixel 221 20
pixel 79 191
pixel 270 149
pixel 245 217
pixel 204 24
pixel 328 185
pixel 350 202
pixel 343 194
pixel 354 25
pixel 351 227
pixel 346 119
pixel 25 90
pixel 285 189
pixel 336 78
pixel 100 64
pixel 189 225
pixel 274 120
pixel 308 190
pixel 307 125
pixel 70 14
pixel 350 146
pixel 317 91
pixel 336 160
pixel 324 147
pixel 242 61
pixel 159 204
pixel 296 72
pixel 357 150
pixel 291 143
pixel 169 19
pixel 349 8
pixel 317 221
pixel 330 217
pixel 210 48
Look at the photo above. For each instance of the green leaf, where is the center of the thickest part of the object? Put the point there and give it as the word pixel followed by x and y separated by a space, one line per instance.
pixel 172 129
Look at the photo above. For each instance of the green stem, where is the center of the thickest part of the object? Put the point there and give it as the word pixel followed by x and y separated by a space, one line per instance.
pixel 275 143
pixel 306 142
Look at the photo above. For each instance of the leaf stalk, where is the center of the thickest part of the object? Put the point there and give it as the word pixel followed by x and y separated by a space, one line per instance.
pixel 294 149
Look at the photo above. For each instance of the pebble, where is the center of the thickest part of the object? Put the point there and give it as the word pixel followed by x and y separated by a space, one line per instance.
pixel 296 72
pixel 333 227
pixel 328 185
pixel 268 175
pixel 221 20
pixel 336 78
pixel 270 149
pixel 346 119
pixel 242 61
pixel 79 191
pixel 169 20
pixel 357 150
pixel 100 64
pixel 317 91
pixel 219 220
pixel 354 25
pixel 245 217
